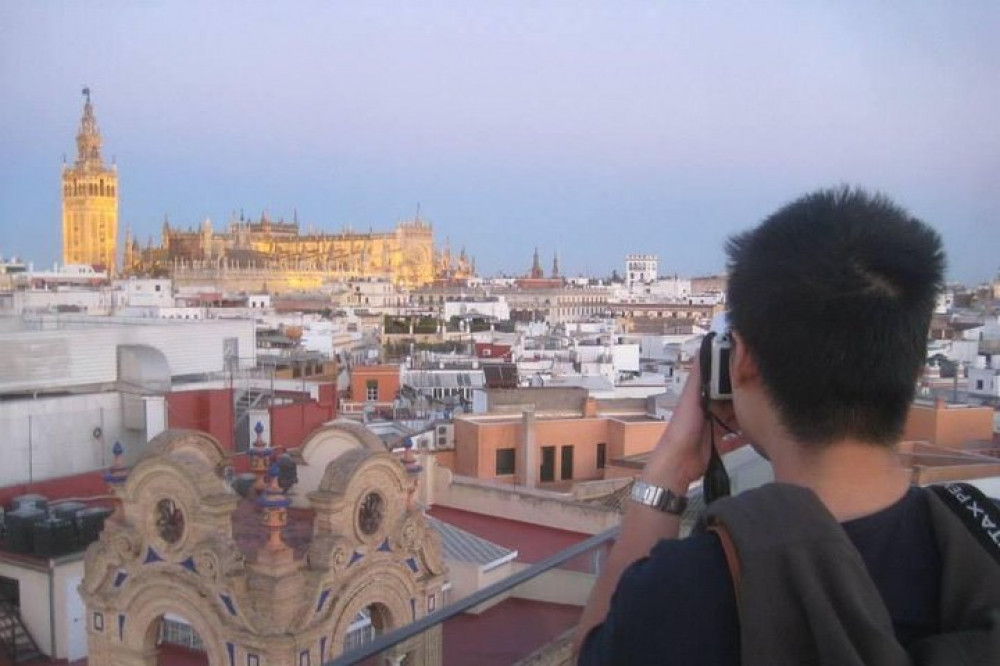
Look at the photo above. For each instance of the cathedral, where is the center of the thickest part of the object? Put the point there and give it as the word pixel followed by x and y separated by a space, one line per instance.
pixel 262 255
pixel 89 200
pixel 273 255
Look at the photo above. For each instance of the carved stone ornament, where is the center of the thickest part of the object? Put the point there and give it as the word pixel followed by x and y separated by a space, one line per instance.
pixel 371 512
pixel 169 520
pixel 329 551
pixel 125 545
pixel 411 534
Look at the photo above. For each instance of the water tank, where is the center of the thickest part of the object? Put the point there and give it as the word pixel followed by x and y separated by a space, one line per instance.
pixel 89 523
pixel 66 509
pixel 20 526
pixel 53 536
pixel 37 501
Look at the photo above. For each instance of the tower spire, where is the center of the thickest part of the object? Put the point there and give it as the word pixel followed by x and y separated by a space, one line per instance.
pixel 88 139
pixel 536 266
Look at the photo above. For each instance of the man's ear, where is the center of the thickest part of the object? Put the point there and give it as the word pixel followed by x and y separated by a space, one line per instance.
pixel 743 367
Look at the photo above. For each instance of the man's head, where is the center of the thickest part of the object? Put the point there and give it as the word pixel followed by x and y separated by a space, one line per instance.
pixel 833 295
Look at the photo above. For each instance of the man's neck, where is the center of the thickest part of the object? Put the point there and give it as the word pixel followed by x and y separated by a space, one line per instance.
pixel 851 478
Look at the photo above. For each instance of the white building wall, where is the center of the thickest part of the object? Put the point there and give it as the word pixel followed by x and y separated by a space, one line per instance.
pixel 707 298
pixel 497 309
pixel 182 313
pixel 54 358
pixel 641 269
pixel 143 292
pixel 259 301
pixel 44 438
pixel 964 351
pixel 52 600
pixel 984 377
pixel 672 288
pixel 625 357
pixel 90 301
pixel 973 333
pixel 945 301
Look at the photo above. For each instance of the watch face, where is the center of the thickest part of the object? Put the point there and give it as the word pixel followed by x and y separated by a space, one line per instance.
pixel 169 521
pixel 370 513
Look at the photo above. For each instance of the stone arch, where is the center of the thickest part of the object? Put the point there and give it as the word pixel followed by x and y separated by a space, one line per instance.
pixel 151 601
pixel 385 585
pixel 184 469
pixel 352 468
pixel 196 443
pixel 345 484
pixel 326 444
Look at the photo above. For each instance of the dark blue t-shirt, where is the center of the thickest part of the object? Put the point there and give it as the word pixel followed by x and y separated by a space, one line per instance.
pixel 677 606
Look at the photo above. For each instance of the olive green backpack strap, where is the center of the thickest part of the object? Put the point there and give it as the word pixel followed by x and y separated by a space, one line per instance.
pixel 976 511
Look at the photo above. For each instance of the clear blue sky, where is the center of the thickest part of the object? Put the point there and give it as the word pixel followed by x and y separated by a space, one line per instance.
pixel 589 128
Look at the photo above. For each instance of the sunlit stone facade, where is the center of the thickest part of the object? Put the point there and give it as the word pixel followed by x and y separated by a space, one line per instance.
pixel 273 256
pixel 273 579
pixel 89 200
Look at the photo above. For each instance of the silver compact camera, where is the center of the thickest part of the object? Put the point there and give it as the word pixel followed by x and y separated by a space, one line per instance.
pixel 720 385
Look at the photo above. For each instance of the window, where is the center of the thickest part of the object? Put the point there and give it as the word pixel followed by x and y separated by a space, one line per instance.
pixel 505 461
pixel 602 452
pixel 179 633
pixel 371 390
pixel 566 468
pixel 979 384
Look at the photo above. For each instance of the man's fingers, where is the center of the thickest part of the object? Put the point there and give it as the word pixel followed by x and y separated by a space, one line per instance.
pixel 731 442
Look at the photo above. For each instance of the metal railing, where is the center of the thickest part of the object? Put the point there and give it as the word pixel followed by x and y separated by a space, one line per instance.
pixel 394 638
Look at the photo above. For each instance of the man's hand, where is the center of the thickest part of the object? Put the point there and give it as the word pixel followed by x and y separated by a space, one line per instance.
pixel 681 456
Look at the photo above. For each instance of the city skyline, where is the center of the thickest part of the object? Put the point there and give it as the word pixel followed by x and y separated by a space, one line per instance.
pixel 591 130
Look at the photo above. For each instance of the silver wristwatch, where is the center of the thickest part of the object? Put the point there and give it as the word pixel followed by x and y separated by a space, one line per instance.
pixel 658 497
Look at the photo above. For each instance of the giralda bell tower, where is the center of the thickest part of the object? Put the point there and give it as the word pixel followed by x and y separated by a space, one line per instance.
pixel 90 200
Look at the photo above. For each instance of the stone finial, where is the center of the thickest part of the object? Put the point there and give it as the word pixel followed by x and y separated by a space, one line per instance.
pixel 413 469
pixel 117 474
pixel 275 505
pixel 260 458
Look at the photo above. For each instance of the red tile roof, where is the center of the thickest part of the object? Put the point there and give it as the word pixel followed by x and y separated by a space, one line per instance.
pixel 533 542
pixel 505 633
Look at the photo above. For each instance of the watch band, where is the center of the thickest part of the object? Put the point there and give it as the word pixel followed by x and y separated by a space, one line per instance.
pixel 657 497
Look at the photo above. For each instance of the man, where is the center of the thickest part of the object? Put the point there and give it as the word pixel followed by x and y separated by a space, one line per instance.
pixel 829 300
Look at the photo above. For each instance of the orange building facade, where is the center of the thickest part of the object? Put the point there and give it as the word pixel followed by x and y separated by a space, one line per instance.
pixel 530 450
pixel 947 425
pixel 374 383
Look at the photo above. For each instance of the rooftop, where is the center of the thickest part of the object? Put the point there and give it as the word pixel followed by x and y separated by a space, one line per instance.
pixel 533 543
